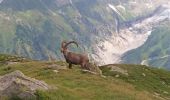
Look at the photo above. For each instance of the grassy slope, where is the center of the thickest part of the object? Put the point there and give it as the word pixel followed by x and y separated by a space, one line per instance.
pixel 144 78
pixel 75 85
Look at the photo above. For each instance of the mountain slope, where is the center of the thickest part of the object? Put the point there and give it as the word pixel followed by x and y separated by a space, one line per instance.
pixel 132 35
pixel 35 29
pixel 155 51
pixel 73 84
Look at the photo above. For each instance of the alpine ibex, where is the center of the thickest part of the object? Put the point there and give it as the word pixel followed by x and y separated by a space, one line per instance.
pixel 74 58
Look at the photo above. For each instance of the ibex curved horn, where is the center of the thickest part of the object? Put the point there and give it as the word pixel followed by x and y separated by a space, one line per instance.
pixel 70 43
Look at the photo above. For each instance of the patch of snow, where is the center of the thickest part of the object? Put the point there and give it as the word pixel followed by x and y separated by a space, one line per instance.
pixel 1 1
pixel 114 9
pixel 149 4
pixel 122 7
pixel 116 46
pixel 132 2
pixel 145 62
pixel 71 2
pixel 52 12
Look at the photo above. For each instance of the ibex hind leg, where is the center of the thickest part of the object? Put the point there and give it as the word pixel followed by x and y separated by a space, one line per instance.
pixel 83 66
pixel 87 66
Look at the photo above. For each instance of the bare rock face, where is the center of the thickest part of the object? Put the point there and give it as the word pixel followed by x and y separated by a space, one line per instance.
pixel 18 85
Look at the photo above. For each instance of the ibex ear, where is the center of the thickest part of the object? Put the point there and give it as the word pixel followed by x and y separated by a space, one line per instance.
pixel 63 44
pixel 61 50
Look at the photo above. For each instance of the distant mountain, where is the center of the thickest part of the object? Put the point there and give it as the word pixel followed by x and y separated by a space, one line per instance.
pixel 155 51
pixel 107 29
pixel 35 28
pixel 141 40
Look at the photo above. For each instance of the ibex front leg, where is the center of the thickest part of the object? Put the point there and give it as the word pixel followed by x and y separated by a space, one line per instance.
pixel 70 66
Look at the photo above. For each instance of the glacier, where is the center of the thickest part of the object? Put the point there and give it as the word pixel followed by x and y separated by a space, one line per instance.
pixel 110 49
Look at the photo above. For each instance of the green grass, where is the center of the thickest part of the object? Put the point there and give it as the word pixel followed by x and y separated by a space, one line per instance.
pixel 73 84
pixel 144 78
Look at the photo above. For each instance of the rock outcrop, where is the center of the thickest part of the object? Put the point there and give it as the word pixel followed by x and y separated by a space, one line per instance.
pixel 16 84
pixel 93 69
pixel 119 70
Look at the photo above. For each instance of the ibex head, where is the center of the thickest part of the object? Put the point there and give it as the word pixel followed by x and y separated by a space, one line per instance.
pixel 64 45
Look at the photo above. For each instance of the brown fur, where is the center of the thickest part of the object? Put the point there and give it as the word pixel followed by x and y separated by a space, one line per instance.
pixel 74 58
